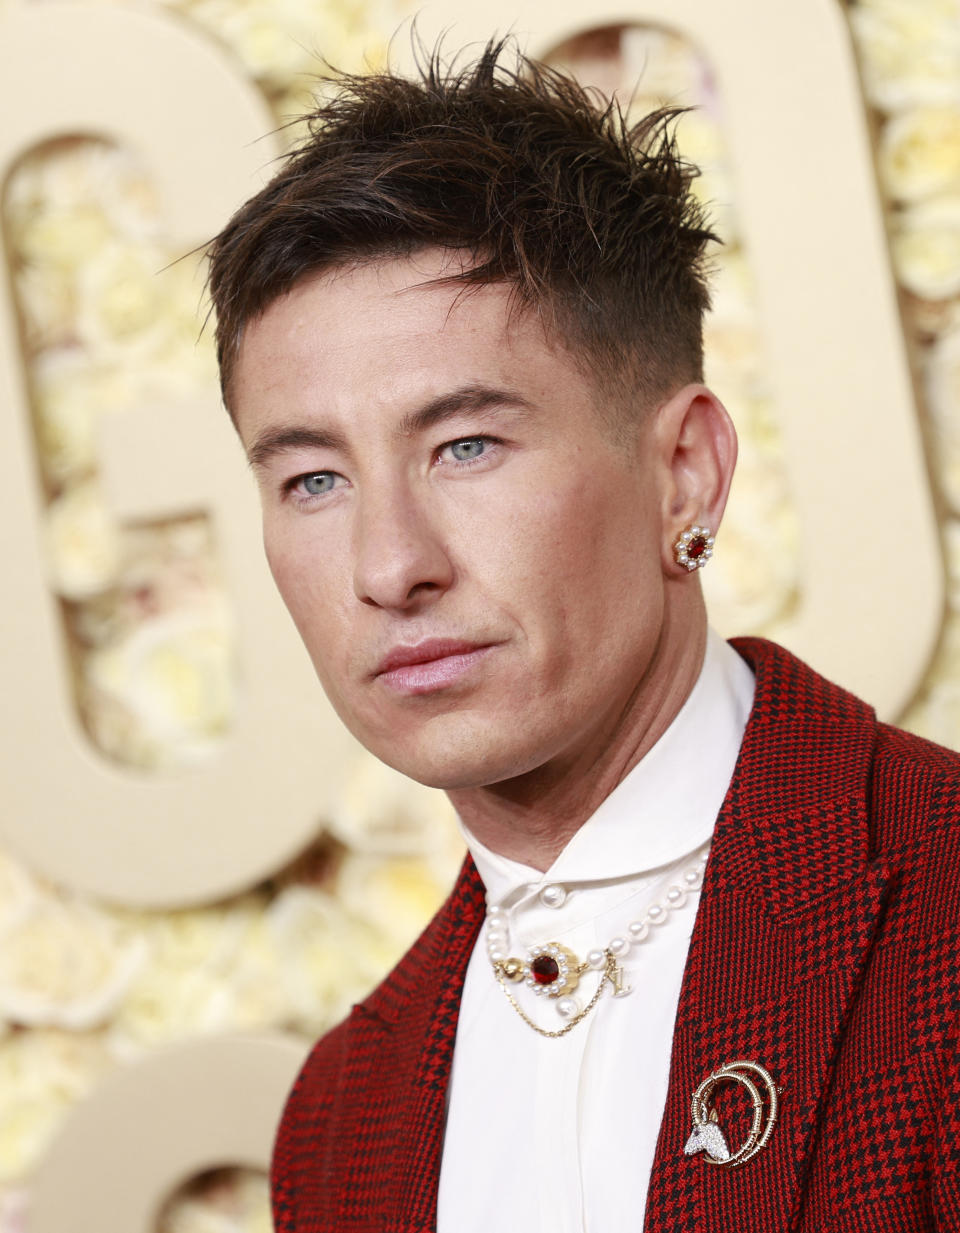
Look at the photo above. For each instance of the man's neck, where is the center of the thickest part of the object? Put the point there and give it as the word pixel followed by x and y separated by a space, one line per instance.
pixel 532 817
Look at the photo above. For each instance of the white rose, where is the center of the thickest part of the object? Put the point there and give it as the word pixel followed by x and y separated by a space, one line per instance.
pixel 83 222
pixel 47 301
pixel 276 41
pixel 63 965
pixel 43 1075
pixel 84 175
pixel 397 897
pixel 167 1005
pixel 383 812
pixel 66 426
pixel 920 152
pixel 258 998
pixel 122 186
pixel 52 1061
pixel 65 238
pixel 82 541
pixel 909 51
pixel 174 677
pixel 328 958
pixel 926 248
pixel 70 396
pixel 170 569
pixel 185 985
pixel 120 304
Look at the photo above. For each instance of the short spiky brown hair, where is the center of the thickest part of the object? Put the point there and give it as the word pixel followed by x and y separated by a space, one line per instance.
pixel 589 219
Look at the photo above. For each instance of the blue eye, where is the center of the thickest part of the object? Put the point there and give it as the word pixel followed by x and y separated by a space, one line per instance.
pixel 317 484
pixel 467 449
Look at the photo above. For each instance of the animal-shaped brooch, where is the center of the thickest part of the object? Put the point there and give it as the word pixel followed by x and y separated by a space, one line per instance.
pixel 707 1137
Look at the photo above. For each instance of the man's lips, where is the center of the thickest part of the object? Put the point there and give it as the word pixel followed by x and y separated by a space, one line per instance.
pixel 426 666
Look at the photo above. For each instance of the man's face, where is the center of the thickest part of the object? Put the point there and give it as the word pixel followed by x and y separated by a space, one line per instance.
pixel 474 563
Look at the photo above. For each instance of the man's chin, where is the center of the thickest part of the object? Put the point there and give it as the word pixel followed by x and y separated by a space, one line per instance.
pixel 457 770
pixel 451 751
pixel 446 777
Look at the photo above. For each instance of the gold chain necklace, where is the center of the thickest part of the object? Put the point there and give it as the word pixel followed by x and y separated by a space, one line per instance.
pixel 612 972
pixel 554 970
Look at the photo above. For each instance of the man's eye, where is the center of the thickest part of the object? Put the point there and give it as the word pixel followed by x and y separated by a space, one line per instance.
pixel 468 449
pixel 316 484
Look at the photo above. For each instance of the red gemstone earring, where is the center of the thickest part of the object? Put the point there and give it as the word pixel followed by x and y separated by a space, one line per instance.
pixel 694 548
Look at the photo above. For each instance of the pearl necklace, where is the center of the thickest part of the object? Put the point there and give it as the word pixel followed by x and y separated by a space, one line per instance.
pixel 554 971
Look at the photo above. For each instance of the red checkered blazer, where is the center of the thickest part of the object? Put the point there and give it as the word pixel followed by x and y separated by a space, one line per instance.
pixel 825 948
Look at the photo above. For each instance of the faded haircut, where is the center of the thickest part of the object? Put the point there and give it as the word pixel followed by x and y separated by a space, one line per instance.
pixel 539 183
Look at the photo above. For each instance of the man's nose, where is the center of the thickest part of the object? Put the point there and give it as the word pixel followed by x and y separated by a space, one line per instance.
pixel 400 555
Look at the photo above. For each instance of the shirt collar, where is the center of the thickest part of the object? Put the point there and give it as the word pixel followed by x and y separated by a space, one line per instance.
pixel 666 806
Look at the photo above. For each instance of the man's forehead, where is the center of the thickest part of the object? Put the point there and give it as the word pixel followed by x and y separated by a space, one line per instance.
pixel 391 321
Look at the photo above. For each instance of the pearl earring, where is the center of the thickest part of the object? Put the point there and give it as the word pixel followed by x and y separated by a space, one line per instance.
pixel 694 548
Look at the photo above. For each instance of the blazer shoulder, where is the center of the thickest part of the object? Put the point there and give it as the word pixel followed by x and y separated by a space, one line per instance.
pixel 361 1079
pixel 442 947
pixel 916 778
pixel 914 806
pixel 900 747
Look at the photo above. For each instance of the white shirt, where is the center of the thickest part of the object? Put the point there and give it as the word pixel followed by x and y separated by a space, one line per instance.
pixel 559 1135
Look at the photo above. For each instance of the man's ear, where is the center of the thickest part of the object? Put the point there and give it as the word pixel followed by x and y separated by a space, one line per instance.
pixel 696 445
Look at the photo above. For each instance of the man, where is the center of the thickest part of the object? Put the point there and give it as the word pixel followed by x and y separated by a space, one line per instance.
pixel 460 338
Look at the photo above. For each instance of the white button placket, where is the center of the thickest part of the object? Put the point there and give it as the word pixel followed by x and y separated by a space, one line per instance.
pixel 559 1067
pixel 560 1064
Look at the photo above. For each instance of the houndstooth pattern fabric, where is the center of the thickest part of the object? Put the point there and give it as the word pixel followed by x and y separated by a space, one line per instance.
pixel 825 949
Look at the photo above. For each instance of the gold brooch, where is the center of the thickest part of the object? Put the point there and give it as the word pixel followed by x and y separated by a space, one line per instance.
pixel 707 1137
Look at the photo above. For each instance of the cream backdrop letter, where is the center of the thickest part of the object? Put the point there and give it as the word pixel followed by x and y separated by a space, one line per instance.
pixel 872 590
pixel 154 84
pixel 153 1126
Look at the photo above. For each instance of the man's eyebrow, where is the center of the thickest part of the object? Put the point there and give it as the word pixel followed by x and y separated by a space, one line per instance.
pixel 278 440
pixel 465 399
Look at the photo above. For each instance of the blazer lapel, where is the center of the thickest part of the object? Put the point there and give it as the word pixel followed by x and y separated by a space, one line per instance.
pixel 788 912
pixel 418 1019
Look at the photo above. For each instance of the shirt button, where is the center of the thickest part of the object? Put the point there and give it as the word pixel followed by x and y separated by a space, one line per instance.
pixel 553 896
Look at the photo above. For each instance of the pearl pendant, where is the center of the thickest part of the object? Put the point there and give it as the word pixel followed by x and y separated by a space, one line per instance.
pixel 568 1008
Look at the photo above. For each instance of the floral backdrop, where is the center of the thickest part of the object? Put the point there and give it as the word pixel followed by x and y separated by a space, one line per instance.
pixel 110 318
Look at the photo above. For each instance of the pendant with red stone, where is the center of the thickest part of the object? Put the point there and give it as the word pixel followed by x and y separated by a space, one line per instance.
pixel 552 969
